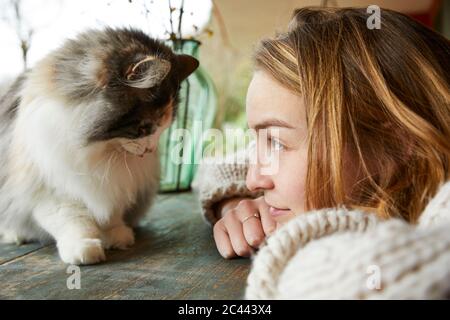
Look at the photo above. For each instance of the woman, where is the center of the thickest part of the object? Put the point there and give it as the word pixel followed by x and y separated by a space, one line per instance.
pixel 357 120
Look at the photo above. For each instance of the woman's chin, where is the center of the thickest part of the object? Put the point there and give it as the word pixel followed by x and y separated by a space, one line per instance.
pixel 283 218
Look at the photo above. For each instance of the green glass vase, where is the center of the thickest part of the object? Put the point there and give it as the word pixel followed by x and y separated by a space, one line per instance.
pixel 181 145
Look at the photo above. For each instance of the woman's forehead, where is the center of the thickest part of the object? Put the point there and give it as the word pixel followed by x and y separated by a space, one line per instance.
pixel 268 100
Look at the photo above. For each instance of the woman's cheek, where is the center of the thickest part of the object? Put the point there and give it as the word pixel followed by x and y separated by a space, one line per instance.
pixel 295 169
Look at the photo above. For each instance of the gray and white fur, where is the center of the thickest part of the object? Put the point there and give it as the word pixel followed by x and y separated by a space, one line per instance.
pixel 78 138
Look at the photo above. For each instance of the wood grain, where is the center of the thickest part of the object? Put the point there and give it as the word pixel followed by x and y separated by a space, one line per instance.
pixel 174 258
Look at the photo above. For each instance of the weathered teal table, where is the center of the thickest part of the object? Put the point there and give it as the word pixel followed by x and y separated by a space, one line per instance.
pixel 174 258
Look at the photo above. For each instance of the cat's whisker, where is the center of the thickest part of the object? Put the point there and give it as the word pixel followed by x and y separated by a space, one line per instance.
pixel 72 109
pixel 106 171
pixel 126 165
pixel 100 161
pixel 129 142
pixel 103 176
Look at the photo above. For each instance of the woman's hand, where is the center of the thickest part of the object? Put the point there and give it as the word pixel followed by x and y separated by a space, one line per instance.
pixel 239 232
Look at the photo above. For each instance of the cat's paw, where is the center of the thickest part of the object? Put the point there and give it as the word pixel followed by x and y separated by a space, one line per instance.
pixel 120 237
pixel 81 251
pixel 11 237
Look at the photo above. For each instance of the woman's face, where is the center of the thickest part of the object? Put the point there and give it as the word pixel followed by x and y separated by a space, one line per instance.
pixel 280 163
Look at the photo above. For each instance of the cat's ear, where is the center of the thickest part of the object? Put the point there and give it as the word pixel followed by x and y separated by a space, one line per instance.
pixel 147 73
pixel 187 65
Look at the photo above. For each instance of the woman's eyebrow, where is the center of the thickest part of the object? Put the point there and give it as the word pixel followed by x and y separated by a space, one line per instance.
pixel 272 123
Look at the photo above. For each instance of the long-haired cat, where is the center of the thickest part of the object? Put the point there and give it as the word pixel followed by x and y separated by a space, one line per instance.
pixel 78 138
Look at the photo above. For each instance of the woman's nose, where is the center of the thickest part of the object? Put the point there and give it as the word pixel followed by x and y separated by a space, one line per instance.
pixel 255 180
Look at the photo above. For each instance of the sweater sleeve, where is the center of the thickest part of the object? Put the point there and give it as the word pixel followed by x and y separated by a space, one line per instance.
pixel 276 253
pixel 347 254
pixel 218 179
pixel 438 209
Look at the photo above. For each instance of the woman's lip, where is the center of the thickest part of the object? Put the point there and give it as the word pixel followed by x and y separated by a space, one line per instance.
pixel 275 212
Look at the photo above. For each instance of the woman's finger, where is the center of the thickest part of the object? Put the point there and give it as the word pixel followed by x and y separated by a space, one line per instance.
pixel 269 224
pixel 248 215
pixel 253 231
pixel 236 234
pixel 222 240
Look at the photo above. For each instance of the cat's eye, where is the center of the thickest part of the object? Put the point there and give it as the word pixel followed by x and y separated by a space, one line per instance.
pixel 142 131
pixel 145 130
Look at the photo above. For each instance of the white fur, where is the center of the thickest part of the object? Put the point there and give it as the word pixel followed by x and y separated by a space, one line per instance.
pixel 58 189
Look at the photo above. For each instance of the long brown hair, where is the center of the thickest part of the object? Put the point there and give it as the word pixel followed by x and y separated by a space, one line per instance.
pixel 379 97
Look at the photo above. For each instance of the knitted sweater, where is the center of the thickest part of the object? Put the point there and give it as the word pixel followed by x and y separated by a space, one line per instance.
pixel 338 253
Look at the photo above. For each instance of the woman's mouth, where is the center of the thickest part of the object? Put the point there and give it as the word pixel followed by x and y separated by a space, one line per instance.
pixel 276 212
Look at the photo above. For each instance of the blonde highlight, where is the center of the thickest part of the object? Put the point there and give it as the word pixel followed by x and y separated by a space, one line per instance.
pixel 378 97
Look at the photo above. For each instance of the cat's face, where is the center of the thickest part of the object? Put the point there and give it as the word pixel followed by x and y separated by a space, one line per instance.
pixel 132 87
pixel 144 100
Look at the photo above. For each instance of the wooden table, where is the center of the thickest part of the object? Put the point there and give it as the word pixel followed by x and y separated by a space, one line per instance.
pixel 174 258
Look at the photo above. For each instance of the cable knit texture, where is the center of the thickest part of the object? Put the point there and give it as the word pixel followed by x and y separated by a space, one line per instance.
pixel 330 254
pixel 437 210
pixel 336 253
pixel 221 179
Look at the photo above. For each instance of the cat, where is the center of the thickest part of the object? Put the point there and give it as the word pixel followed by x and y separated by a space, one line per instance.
pixel 78 139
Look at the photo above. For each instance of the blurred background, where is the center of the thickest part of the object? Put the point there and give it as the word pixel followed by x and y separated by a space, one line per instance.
pixel 228 31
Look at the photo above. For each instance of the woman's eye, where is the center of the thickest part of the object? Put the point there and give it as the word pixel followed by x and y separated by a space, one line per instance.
pixel 276 145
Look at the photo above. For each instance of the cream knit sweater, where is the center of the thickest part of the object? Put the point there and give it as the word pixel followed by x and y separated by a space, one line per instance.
pixel 338 253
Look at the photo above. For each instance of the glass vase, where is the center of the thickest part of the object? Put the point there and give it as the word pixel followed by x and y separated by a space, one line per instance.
pixel 181 145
